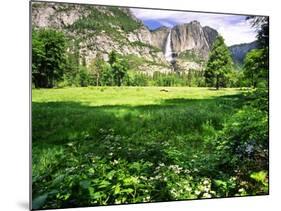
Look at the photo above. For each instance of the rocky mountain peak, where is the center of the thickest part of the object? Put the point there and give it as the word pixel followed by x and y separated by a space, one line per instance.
pixel 192 36
pixel 103 29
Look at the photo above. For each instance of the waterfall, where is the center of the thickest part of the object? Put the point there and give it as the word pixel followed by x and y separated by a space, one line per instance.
pixel 168 49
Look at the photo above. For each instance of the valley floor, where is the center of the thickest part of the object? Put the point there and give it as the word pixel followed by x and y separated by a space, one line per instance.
pixel 111 145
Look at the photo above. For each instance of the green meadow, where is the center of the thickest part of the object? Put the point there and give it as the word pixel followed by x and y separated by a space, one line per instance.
pixel 112 145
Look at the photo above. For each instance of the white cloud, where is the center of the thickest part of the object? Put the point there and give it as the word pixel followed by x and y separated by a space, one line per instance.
pixel 166 23
pixel 233 28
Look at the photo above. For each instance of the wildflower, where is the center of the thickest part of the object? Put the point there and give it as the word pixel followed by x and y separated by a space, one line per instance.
pixel 207 195
pixel 197 192
pixel 206 182
pixel 188 189
pixel 241 190
pixel 115 162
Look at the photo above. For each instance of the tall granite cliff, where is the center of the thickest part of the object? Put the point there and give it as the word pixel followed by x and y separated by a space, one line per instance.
pixel 101 29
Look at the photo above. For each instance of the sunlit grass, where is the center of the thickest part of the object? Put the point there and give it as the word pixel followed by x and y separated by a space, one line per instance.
pixel 131 126
pixel 95 96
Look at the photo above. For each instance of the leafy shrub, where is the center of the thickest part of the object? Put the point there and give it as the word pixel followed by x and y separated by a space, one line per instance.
pixel 84 76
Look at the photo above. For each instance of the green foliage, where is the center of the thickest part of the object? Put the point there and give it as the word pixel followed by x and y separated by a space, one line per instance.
pixel 191 56
pixel 137 79
pixel 119 67
pixel 153 49
pixel 96 67
pixel 192 78
pixel 258 60
pixel 84 76
pixel 261 179
pixel 97 21
pixel 247 133
pixel 219 64
pixel 48 57
pixel 235 78
pixel 107 75
pixel 123 19
pixel 100 145
pixel 39 201
pixel 254 67
pixel 242 145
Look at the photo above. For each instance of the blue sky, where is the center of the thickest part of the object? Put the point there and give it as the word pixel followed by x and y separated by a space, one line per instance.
pixel 234 28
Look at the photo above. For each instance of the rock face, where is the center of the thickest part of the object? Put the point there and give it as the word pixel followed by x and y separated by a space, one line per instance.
pixel 210 35
pixel 100 29
pixel 191 43
pixel 190 36
pixel 159 37
pixel 239 52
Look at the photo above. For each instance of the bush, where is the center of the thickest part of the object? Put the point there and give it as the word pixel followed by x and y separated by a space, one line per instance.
pixel 246 134
pixel 84 76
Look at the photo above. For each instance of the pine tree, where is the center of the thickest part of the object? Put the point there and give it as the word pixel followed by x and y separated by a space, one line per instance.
pixel 219 64
pixel 119 67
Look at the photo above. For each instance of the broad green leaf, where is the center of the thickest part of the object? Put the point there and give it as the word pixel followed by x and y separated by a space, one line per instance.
pixel 85 184
pixel 111 174
pixel 117 189
pixel 104 184
pixel 259 176
pixel 39 201
pixel 57 180
pixel 127 190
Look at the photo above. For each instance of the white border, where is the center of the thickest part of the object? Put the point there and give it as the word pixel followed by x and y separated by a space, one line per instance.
pixel 14 116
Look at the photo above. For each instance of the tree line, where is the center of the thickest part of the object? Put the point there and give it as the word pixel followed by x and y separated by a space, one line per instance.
pixel 56 61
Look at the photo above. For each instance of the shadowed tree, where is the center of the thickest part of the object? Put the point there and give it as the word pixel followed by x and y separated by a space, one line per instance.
pixel 254 66
pixel 260 57
pixel 48 57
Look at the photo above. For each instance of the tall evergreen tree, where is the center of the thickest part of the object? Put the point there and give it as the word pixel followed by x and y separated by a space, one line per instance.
pixel 119 67
pixel 219 64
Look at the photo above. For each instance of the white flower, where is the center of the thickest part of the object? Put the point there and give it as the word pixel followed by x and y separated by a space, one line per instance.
pixel 206 182
pixel 186 171
pixel 188 189
pixel 241 190
pixel 157 177
pixel 207 195
pixel 115 162
pixel 206 189
pixel 197 192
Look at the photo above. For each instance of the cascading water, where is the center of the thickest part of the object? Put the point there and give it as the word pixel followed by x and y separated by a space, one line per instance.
pixel 168 49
